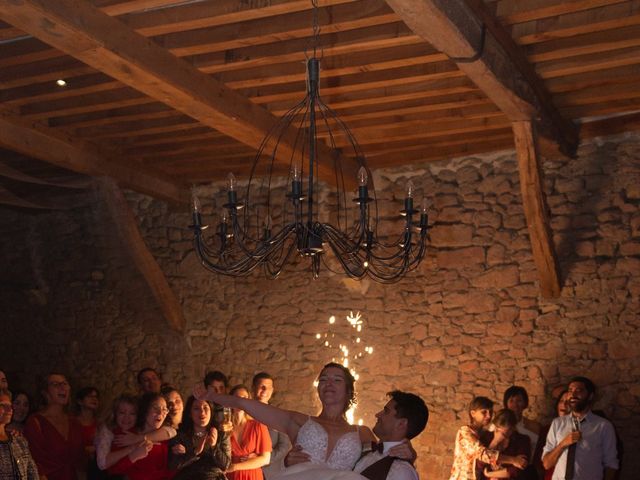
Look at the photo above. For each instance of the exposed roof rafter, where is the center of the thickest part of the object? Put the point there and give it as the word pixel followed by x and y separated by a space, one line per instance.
pixel 472 37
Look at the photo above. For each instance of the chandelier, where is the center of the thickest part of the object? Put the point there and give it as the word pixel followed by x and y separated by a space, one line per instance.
pixel 281 219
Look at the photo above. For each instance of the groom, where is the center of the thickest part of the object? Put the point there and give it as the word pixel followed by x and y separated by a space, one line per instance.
pixel 403 417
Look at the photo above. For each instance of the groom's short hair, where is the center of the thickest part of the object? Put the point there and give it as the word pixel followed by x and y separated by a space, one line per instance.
pixel 413 408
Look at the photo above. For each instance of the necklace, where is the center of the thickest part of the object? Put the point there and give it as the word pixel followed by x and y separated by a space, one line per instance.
pixel 199 434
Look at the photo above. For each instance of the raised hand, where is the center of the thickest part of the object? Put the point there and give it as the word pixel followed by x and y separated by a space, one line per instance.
pixel 178 449
pixel 405 451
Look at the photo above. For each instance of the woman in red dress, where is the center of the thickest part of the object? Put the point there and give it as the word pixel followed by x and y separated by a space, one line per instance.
pixel 87 404
pixel 55 437
pixel 149 460
pixel 250 443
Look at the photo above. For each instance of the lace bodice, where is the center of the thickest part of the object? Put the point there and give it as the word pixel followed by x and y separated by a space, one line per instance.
pixel 314 440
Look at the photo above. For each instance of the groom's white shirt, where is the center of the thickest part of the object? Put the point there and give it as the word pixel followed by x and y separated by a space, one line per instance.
pixel 400 470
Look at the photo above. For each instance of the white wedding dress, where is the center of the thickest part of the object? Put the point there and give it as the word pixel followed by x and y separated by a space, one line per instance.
pixel 314 440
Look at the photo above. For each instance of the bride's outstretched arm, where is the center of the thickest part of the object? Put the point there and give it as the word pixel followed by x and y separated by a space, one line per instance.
pixel 285 421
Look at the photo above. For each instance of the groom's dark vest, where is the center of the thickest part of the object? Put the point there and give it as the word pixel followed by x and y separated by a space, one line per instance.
pixel 380 469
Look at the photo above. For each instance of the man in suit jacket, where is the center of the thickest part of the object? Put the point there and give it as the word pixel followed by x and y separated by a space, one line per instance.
pixel 403 417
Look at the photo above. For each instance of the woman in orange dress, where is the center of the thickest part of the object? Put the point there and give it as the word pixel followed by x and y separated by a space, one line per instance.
pixel 250 443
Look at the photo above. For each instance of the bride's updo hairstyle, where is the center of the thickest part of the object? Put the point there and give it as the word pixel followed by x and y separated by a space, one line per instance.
pixel 350 381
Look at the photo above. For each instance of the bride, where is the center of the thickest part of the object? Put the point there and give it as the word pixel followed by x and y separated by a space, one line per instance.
pixel 331 443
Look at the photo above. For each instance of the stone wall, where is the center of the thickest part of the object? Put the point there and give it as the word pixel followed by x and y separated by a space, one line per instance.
pixel 468 322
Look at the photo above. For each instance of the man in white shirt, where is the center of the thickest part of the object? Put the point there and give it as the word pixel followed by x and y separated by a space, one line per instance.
pixel 581 445
pixel 403 417
pixel 262 386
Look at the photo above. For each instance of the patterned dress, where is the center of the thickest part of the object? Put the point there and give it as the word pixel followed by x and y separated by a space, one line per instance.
pixel 468 449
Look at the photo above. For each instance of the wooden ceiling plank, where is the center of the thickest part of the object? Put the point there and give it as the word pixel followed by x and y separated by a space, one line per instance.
pixel 611 126
pixel 193 134
pixel 586 44
pixel 122 7
pixel 125 129
pixel 365 39
pixel 386 59
pixel 416 75
pixel 116 115
pixel 85 103
pixel 455 27
pixel 425 129
pixel 38 72
pixel 360 14
pixel 535 209
pixel 111 47
pixel 511 12
pixel 604 78
pixel 45 144
pixel 598 94
pixel 571 29
pixel 26 51
pixel 588 63
pixel 611 108
pixel 44 91
pixel 129 232
pixel 152 155
pixel 211 14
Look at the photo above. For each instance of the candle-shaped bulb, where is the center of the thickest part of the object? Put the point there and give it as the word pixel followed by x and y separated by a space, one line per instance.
pixel 363 177
pixel 410 189
pixel 295 173
pixel 231 182
pixel 195 201
pixel 424 205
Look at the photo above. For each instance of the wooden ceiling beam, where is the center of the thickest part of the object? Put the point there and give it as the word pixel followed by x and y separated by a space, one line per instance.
pixel 471 36
pixel 535 209
pixel 46 144
pixel 19 176
pixel 129 233
pixel 106 44
pixel 10 199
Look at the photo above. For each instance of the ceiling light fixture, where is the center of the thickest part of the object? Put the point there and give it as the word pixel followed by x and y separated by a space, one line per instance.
pixel 61 83
pixel 262 232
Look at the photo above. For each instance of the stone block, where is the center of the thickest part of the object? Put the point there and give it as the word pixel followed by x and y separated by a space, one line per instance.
pixel 498 277
pixel 460 257
pixel 471 302
pixel 628 265
pixel 455 215
pixel 432 355
pixel 451 235
pixel 630 248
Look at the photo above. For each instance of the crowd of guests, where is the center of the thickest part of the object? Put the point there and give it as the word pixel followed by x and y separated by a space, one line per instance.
pixel 150 436
pixel 578 444
pixel 156 436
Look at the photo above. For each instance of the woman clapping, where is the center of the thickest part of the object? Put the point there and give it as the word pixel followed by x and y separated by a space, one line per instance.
pixel 200 451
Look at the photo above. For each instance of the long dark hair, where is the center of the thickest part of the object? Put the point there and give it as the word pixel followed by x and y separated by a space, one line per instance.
pixel 187 422
pixel 144 406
